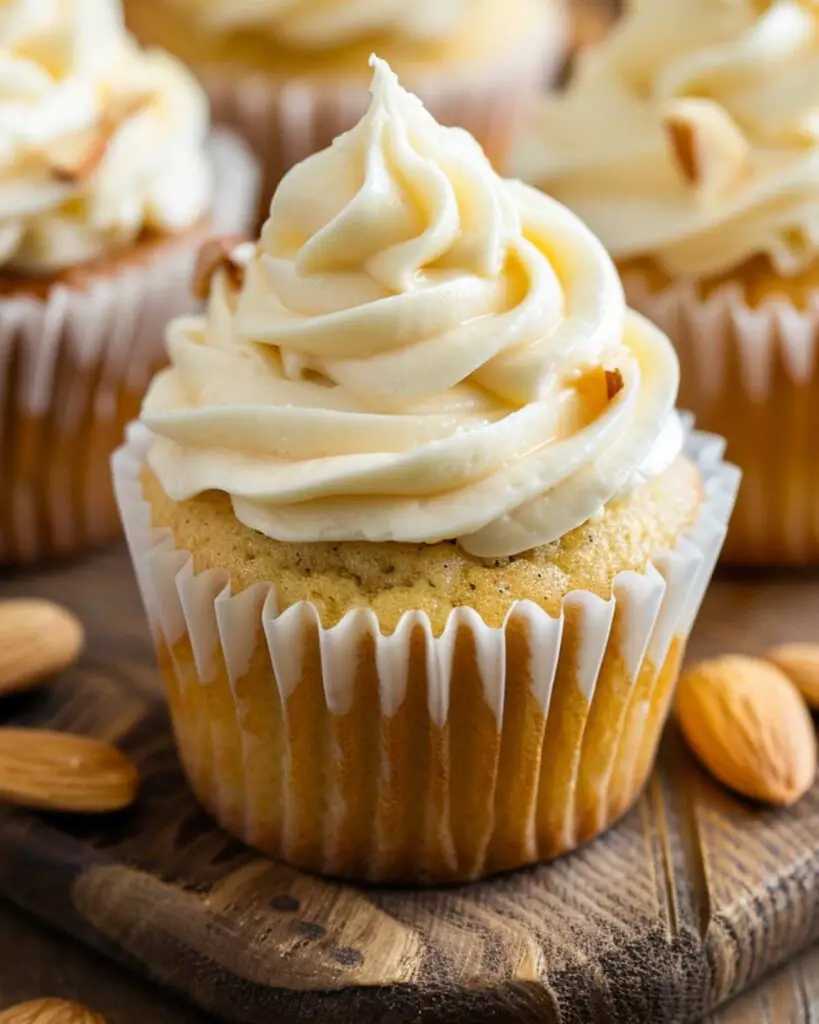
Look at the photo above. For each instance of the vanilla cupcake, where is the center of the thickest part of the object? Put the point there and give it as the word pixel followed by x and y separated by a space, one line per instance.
pixel 106 193
pixel 412 520
pixel 288 75
pixel 689 143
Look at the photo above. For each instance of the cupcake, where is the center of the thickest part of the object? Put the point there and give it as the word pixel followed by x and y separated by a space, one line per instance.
pixel 420 535
pixel 689 143
pixel 288 75
pixel 105 197
pixel 592 22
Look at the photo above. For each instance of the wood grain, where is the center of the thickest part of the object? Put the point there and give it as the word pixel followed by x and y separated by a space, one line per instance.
pixel 692 898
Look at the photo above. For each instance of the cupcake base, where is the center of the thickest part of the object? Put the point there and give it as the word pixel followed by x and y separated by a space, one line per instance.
pixel 77 351
pixel 749 358
pixel 420 753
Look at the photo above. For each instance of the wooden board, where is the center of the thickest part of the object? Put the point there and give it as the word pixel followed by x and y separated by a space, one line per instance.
pixel 694 896
pixel 37 960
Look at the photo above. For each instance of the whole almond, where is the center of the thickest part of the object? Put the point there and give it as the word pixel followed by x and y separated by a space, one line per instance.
pixel 800 663
pixel 750 727
pixel 62 772
pixel 50 1011
pixel 37 639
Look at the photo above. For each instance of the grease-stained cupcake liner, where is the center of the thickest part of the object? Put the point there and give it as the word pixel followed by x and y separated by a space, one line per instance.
pixel 751 374
pixel 74 365
pixel 416 757
pixel 287 121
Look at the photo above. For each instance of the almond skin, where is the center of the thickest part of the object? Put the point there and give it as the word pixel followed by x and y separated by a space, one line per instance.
pixel 62 772
pixel 37 639
pixel 750 727
pixel 215 255
pixel 50 1011
pixel 800 663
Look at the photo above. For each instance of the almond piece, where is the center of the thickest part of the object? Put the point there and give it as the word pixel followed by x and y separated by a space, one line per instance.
pixel 216 255
pixel 37 639
pixel 750 727
pixel 50 1011
pixel 800 663
pixel 75 158
pixel 61 772
pixel 708 145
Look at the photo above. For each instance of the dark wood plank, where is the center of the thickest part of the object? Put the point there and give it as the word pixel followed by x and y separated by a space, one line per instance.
pixel 36 961
pixel 692 898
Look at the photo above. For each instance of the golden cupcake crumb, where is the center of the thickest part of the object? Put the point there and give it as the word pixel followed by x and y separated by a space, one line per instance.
pixel 392 578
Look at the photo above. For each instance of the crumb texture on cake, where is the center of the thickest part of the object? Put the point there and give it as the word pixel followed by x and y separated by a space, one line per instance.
pixel 392 579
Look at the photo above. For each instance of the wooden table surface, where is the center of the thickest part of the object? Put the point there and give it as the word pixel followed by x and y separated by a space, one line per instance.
pixel 742 612
pixel 36 961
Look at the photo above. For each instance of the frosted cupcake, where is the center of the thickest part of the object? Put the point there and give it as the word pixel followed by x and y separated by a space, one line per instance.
pixel 105 198
pixel 689 143
pixel 288 74
pixel 412 519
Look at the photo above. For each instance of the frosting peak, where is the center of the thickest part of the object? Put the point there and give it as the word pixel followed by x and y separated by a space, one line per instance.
pixel 98 140
pixel 734 83
pixel 419 351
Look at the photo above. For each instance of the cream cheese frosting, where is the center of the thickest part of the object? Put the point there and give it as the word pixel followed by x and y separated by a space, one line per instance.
pixel 419 351
pixel 98 139
pixel 733 83
pixel 318 24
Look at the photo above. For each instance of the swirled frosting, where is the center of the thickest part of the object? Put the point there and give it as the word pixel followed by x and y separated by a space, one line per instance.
pixel 418 352
pixel 98 139
pixel 751 69
pixel 317 24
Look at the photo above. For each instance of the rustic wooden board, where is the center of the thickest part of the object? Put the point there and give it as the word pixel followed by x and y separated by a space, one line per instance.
pixel 694 896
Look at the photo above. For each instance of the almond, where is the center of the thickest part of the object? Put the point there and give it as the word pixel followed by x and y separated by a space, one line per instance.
pixel 62 772
pixel 750 727
pixel 216 255
pixel 709 147
pixel 75 158
pixel 37 639
pixel 50 1011
pixel 800 663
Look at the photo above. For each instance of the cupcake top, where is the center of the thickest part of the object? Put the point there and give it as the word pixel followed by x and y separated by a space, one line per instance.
pixel 692 136
pixel 99 141
pixel 415 350
pixel 317 24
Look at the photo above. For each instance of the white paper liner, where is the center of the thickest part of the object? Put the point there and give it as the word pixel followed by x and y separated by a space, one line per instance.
pixel 658 606
pixel 285 122
pixel 67 360
pixel 743 371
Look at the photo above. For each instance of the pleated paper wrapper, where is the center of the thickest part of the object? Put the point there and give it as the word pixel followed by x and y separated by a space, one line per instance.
pixel 74 366
pixel 751 374
pixel 416 757
pixel 287 121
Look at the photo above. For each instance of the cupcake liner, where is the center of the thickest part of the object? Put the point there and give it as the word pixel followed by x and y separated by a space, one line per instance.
pixel 285 122
pixel 410 756
pixel 751 374
pixel 74 365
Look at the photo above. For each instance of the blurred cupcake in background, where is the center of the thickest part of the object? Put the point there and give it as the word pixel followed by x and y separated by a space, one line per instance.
pixel 689 142
pixel 419 532
pixel 288 73
pixel 592 22
pixel 106 194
